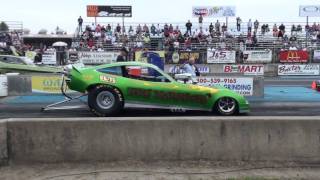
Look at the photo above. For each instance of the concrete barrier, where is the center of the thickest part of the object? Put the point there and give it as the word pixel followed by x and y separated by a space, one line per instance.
pixel 253 139
pixel 3 143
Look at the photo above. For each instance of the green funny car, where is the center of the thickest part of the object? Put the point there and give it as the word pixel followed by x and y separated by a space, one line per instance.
pixel 113 87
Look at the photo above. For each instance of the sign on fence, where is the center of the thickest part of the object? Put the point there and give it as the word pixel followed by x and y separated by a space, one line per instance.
pixel 214 11
pixel 243 86
pixel 316 56
pixel 257 56
pixel 109 11
pixel 309 10
pixel 295 70
pixel 49 58
pixel 293 56
pixel 176 69
pixel 219 56
pixel 97 57
pixel 257 69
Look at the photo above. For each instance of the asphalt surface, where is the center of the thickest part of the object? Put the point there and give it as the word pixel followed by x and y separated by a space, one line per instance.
pixel 259 107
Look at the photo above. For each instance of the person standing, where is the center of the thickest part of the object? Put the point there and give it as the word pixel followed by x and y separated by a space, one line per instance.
pixel 256 25
pixel 200 21
pixel 123 55
pixel 211 28
pixel 192 69
pixel 217 26
pixel 239 23
pixel 188 26
pixel 80 21
pixel 249 26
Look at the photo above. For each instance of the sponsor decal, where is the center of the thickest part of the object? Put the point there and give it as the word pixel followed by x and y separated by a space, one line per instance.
pixel 245 69
pixel 168 95
pixel 298 70
pixel 243 86
pixel 107 79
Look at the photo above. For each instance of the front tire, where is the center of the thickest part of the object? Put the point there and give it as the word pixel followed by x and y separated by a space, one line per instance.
pixel 105 101
pixel 226 106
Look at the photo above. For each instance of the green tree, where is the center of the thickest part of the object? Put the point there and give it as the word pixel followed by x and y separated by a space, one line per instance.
pixel 4 26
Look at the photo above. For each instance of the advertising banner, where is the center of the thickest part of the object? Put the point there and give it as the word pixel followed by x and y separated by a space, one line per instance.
pixel 257 56
pixel 46 84
pixel 309 10
pixel 177 69
pixel 109 11
pixel 243 86
pixel 316 56
pixel 293 56
pixel 141 57
pixel 182 57
pixel 296 70
pixel 246 69
pixel 214 11
pixel 49 58
pixel 97 57
pixel 220 56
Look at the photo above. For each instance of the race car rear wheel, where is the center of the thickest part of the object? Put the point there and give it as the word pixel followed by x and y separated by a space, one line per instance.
pixel 226 106
pixel 105 101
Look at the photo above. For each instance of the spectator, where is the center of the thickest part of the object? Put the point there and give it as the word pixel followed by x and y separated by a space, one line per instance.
pixel 190 67
pixel 211 28
pixel 224 28
pixel 98 28
pixel 130 31
pixel 275 30
pixel 217 26
pixel 153 29
pixel 200 21
pixel 171 28
pixel 145 28
pixel 93 27
pixel 293 29
pixel 239 23
pixel 249 26
pixel 189 26
pixel 123 55
pixel 108 28
pixel 263 29
pixel 80 21
pixel 158 30
pixel 282 28
pixel 299 28
pixel 138 29
pixel 256 25
pixel 118 28
pixel 280 34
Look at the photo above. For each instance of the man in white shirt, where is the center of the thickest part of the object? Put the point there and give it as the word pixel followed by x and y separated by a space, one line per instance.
pixel 191 69
pixel 249 26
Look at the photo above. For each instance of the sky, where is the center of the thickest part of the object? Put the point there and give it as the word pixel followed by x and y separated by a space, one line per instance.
pixel 39 14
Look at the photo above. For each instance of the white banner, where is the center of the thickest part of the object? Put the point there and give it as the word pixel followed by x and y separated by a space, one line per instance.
pixel 97 57
pixel 309 10
pixel 316 56
pixel 49 58
pixel 218 56
pixel 177 69
pixel 257 56
pixel 295 70
pixel 214 11
pixel 243 86
pixel 246 69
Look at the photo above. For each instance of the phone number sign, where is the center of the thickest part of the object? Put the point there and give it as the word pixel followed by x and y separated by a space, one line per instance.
pixel 243 86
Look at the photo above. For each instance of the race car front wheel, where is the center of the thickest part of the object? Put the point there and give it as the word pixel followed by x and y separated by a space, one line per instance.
pixel 226 106
pixel 105 101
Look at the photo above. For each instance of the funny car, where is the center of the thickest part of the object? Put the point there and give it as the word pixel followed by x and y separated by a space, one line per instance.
pixel 113 87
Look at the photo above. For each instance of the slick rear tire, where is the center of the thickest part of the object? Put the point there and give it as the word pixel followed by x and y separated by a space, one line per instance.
pixel 105 101
pixel 226 106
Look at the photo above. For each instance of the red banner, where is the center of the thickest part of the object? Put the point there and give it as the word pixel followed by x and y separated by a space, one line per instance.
pixel 294 56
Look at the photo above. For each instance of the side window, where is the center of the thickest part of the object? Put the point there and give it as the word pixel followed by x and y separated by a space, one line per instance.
pixel 144 73
pixel 115 70
pixel 11 60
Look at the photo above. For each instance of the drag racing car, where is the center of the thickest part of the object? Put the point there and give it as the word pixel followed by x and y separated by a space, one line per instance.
pixel 113 87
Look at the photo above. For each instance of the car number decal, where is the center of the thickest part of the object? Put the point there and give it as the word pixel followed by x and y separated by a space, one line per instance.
pixel 107 79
